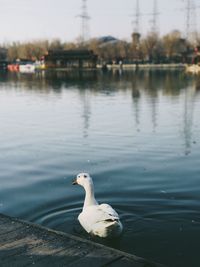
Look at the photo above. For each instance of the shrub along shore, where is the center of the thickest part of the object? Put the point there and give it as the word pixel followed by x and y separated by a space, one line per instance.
pixel 171 48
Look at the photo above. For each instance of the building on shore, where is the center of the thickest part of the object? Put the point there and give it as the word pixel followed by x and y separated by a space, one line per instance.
pixel 70 59
pixel 3 53
pixel 3 58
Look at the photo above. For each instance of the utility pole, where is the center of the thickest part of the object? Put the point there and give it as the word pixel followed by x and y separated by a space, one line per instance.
pixel 154 20
pixel 190 23
pixel 84 22
pixel 136 21
pixel 136 32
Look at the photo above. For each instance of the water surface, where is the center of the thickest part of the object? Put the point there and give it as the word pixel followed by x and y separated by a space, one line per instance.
pixel 137 134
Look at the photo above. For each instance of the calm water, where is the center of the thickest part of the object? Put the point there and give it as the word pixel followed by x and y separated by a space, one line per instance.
pixel 138 135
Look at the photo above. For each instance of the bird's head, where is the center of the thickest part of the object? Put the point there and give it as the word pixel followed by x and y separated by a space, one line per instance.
pixel 82 179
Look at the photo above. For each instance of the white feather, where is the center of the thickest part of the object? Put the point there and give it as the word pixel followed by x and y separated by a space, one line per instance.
pixel 100 220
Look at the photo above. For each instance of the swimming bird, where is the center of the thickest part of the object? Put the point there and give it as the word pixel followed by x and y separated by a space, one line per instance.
pixel 98 220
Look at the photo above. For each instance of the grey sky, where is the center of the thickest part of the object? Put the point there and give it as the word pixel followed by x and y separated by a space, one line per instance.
pixel 41 19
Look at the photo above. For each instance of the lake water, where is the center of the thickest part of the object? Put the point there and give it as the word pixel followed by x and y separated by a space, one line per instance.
pixel 137 134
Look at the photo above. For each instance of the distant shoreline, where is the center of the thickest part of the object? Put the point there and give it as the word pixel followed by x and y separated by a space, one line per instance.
pixel 144 66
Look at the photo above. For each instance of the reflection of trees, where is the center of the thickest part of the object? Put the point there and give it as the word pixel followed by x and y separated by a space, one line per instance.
pixel 48 81
pixel 150 82
pixel 170 82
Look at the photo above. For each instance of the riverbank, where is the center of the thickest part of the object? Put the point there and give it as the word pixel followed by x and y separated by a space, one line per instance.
pixel 143 66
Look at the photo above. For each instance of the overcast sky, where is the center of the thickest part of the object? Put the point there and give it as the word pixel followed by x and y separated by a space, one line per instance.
pixel 47 19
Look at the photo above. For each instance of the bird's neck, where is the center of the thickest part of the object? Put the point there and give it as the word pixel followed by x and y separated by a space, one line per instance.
pixel 89 195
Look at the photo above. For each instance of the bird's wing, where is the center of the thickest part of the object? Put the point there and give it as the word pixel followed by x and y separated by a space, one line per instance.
pixel 95 214
pixel 109 210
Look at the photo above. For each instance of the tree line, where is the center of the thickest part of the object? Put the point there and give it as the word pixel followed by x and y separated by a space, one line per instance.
pixel 152 48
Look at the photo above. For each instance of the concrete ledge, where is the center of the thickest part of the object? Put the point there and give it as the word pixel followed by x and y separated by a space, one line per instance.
pixel 27 244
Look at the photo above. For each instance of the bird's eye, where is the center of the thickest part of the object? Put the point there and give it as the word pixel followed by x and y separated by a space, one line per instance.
pixel 85 176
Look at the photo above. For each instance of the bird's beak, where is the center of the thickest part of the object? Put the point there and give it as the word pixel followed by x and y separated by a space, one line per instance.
pixel 74 181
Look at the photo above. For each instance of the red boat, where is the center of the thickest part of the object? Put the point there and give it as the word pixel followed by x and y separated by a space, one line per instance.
pixel 13 67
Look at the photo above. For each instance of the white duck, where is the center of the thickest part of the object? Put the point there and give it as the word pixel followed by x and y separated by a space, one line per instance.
pixel 99 220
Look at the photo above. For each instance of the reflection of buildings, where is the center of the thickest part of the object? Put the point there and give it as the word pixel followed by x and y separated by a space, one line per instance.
pixel 3 53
